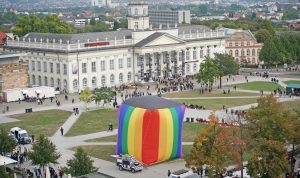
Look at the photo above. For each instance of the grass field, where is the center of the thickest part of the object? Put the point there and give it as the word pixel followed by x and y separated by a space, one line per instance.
pixel 215 104
pixel 94 121
pixel 216 93
pixel 99 151
pixel 292 81
pixel 260 85
pixel 37 123
pixel 112 138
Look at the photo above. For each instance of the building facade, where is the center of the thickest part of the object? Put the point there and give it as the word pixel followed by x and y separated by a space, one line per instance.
pixel 73 62
pixel 242 45
pixel 169 17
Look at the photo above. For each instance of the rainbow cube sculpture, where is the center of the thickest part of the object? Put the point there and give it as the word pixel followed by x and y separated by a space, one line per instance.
pixel 150 129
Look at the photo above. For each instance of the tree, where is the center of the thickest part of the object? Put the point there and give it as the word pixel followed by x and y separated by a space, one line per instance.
pixel 226 65
pixel 268 128
pixel 208 72
pixel 214 146
pixel 269 53
pixel 93 21
pixel 98 27
pixel 103 94
pixel 262 35
pixel 8 144
pixel 43 152
pixel 4 173
pixel 116 25
pixel 267 24
pixel 86 97
pixel 81 164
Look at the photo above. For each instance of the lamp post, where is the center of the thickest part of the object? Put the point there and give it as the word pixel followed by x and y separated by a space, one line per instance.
pixel 1 83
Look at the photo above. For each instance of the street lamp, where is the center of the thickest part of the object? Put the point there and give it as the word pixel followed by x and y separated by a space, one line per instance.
pixel 1 82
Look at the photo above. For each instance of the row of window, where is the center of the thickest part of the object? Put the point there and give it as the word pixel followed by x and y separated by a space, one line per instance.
pixel 38 81
pixel 37 66
pixel 237 53
pixel 242 43
pixel 253 61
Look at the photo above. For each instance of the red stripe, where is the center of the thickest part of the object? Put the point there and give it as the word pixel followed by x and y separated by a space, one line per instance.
pixel 150 139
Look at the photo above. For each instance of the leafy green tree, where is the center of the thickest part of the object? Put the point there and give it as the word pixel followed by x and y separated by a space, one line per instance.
pixel 86 97
pixel 208 72
pixel 93 21
pixel 290 14
pixel 226 65
pixel 123 23
pixel 8 144
pixel 103 94
pixel 43 152
pixel 98 27
pixel 81 164
pixel 262 35
pixel 4 173
pixel 116 25
pixel 46 24
pixel 267 24
pixel 269 53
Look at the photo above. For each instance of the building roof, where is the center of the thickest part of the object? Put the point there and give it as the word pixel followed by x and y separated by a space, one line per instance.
pixel 192 28
pixel 293 85
pixel 82 37
pixel 155 36
pixel 151 102
pixel 235 34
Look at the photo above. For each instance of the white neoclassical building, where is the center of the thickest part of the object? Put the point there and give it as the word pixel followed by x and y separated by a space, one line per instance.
pixel 76 61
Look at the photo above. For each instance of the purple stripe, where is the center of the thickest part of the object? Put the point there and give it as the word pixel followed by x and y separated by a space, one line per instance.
pixel 180 112
pixel 122 110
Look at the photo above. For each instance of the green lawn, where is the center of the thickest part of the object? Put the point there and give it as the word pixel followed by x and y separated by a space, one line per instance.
pixel 215 104
pixel 98 151
pixel 94 121
pixel 216 93
pixel 37 123
pixel 292 81
pixel 260 85
pixel 112 138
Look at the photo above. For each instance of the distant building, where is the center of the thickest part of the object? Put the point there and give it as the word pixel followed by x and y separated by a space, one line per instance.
pixel 13 74
pixel 169 17
pixel 242 45
pixel 101 3
pixel 3 38
pixel 295 26
pixel 207 18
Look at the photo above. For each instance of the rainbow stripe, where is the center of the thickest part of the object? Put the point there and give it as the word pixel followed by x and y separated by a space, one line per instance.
pixel 150 136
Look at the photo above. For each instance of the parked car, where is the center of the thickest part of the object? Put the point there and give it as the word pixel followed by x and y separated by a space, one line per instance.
pixel 129 163
pixel 20 135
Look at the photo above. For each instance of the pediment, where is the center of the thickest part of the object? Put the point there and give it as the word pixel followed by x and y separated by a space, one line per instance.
pixel 163 40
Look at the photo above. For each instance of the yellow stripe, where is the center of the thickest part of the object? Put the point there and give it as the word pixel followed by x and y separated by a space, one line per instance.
pixel 139 134
pixel 131 131
pixel 169 139
pixel 162 134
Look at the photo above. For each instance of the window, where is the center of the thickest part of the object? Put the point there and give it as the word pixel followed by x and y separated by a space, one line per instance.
pixel 58 68
pixel 237 60
pixel 188 68
pixel 39 66
pixel 102 65
pixel 93 66
pixel 103 80
pixel 253 60
pixel 242 43
pixel 136 11
pixel 40 80
pixel 248 52
pixel 236 53
pixel 120 78
pixel 230 44
pixel 84 82
pixel 242 52
pixel 45 66
pixel 65 69
pixel 58 83
pixel 129 76
pixel 128 62
pixel 65 84
pixel 83 68
pixel 46 81
pixel 180 56
pixel 248 43
pixel 51 67
pixel 208 52
pixel 75 84
pixel 112 79
pixel 111 64
pixel 120 63
pixel 258 51
pixel 201 53
pixel 51 82
pixel 194 54
pixel 33 65
pixel 195 67
pixel 236 44
pixel 187 55
pixel 253 52
pixel 136 25
pixel 144 11
pixel 230 52
pixel 94 82
pixel 33 80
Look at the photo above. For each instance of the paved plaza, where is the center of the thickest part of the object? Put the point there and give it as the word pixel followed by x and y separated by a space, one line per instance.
pixel 64 144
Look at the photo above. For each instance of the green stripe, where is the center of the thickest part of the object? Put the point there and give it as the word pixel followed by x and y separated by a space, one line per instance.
pixel 175 132
pixel 125 130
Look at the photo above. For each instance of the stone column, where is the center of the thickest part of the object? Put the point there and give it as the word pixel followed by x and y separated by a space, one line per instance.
pixel 141 64
pixel 183 62
pixel 158 64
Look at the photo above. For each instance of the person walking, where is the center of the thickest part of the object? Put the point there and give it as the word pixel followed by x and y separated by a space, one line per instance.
pixel 62 131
